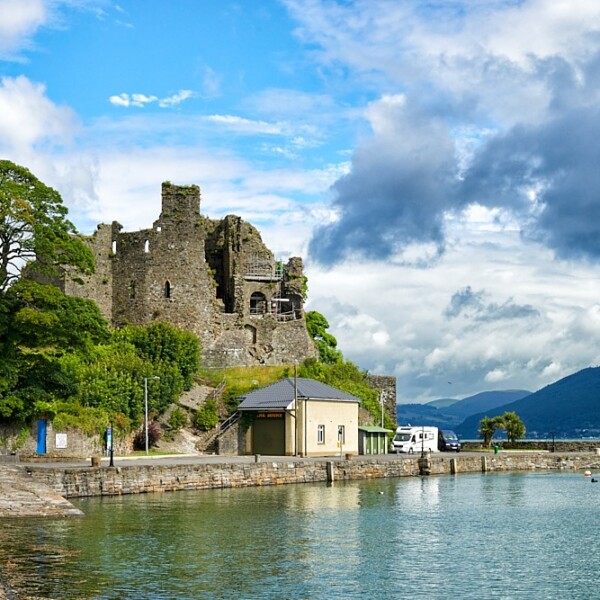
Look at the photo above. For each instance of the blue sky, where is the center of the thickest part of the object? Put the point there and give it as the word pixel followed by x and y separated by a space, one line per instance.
pixel 434 163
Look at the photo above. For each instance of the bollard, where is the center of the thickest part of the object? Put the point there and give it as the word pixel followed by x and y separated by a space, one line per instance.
pixel 330 472
pixel 424 466
pixel 453 466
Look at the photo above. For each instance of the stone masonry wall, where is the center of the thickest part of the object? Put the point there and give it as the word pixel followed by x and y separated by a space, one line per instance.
pixel 82 482
pixel 387 387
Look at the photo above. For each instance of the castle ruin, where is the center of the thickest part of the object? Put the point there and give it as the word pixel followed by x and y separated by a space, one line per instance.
pixel 215 278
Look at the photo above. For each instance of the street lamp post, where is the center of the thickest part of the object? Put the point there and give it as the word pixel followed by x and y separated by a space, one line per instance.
pixel 146 407
pixel 112 456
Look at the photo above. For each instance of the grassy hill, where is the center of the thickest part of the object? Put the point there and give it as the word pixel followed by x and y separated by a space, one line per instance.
pixel 568 408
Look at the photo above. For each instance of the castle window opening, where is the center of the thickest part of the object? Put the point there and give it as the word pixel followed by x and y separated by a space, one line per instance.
pixel 146 246
pixel 167 289
pixel 114 247
pixel 158 228
pixel 258 304
pixel 132 289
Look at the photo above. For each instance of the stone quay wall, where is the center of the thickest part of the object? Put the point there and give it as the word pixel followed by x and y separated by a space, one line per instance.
pixel 103 481
pixel 547 445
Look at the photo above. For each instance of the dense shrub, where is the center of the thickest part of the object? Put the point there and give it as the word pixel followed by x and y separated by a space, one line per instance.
pixel 177 420
pixel 206 417
pixel 139 441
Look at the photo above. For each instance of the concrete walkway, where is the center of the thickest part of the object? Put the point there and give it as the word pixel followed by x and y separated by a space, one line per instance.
pixel 20 496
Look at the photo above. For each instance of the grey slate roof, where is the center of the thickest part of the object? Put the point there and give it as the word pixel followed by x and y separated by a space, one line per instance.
pixel 280 395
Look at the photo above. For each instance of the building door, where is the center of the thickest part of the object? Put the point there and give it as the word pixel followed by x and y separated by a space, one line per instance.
pixel 268 437
pixel 41 436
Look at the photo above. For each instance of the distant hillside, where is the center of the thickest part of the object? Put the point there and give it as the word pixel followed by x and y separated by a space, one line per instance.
pixel 425 414
pixel 483 402
pixel 442 402
pixel 568 408
pixel 455 411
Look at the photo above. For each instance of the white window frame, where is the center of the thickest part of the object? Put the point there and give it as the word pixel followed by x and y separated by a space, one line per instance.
pixel 320 434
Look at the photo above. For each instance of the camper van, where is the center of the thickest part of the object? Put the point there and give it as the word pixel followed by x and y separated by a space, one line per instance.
pixel 415 439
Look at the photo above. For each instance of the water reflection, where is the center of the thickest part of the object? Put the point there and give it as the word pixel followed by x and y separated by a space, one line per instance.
pixel 522 535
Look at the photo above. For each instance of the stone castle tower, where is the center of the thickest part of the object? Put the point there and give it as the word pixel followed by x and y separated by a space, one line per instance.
pixel 215 278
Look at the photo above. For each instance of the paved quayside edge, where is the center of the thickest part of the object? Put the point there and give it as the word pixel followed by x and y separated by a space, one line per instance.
pixel 21 496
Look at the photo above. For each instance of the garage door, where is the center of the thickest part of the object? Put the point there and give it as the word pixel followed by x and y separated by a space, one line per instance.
pixel 268 437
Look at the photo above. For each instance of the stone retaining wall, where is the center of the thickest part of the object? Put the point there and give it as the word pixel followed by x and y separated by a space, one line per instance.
pixel 102 481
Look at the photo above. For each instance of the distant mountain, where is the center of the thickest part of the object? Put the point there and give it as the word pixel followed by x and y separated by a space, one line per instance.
pixel 424 414
pixel 455 411
pixel 442 402
pixel 569 407
pixel 483 402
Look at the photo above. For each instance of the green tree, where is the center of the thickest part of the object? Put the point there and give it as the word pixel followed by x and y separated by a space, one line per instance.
pixel 515 428
pixel 317 326
pixel 162 343
pixel 42 325
pixel 488 427
pixel 33 225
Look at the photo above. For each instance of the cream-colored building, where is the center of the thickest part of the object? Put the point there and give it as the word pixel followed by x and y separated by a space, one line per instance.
pixel 301 417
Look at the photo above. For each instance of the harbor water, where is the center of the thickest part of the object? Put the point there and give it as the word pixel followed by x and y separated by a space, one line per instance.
pixel 512 536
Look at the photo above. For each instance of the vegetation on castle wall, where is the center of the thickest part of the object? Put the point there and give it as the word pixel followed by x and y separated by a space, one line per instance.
pixel 317 326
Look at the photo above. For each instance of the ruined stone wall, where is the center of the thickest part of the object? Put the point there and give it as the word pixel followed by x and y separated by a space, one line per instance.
pixel 99 285
pixel 387 387
pixel 214 278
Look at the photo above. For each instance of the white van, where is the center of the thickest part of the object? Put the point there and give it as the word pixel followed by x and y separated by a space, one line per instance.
pixel 415 439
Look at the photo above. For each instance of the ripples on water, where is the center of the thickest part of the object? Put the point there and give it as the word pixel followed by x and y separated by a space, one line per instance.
pixel 500 536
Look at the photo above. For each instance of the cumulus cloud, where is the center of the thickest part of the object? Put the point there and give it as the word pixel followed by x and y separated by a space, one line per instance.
pixel 488 115
pixel 28 119
pixel 472 305
pixel 19 20
pixel 400 185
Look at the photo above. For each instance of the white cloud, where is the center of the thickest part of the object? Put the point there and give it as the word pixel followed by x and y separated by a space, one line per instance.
pixel 28 119
pixel 246 126
pixel 496 376
pixel 175 99
pixel 140 100
pixel 19 20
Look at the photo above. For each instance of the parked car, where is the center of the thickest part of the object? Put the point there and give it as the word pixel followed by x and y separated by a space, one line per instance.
pixel 448 441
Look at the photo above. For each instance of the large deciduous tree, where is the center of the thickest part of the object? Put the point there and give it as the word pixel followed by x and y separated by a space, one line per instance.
pixel 33 225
